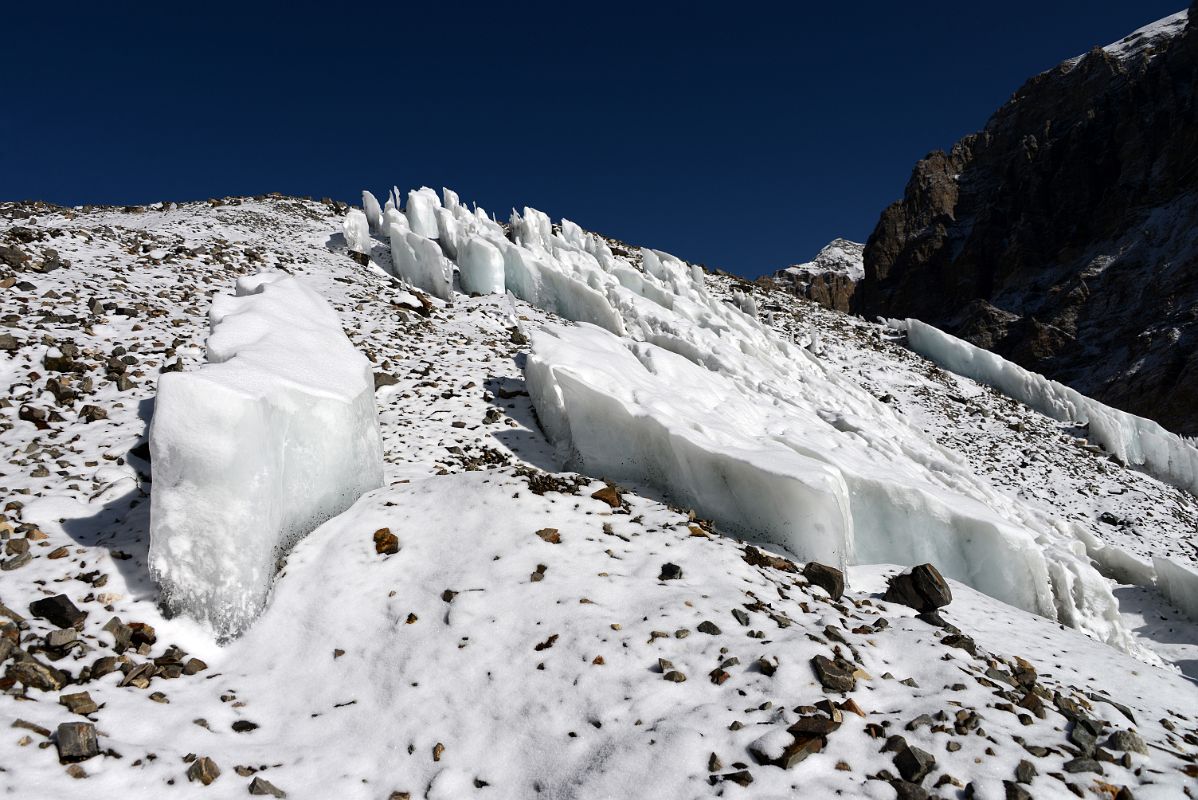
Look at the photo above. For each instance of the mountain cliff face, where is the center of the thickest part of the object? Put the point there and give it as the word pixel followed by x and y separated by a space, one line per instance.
pixel 1064 235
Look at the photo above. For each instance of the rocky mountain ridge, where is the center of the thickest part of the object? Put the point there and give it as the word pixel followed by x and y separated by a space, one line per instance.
pixel 1062 235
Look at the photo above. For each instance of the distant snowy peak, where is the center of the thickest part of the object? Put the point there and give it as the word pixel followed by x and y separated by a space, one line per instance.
pixel 1148 40
pixel 829 279
pixel 839 256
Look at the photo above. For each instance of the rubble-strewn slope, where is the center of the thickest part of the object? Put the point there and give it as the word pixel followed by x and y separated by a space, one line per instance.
pixel 1062 235
pixel 518 636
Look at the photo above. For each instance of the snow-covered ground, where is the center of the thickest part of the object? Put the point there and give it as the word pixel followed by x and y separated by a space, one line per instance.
pixel 510 642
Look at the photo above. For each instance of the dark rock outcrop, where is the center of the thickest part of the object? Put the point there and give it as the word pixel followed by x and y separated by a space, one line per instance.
pixel 1064 235
pixel 922 588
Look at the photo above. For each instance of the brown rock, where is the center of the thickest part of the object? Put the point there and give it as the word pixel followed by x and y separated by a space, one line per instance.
pixel 830 579
pixel 799 749
pixel 609 495
pixel 204 770
pixel 386 543
pixel 79 703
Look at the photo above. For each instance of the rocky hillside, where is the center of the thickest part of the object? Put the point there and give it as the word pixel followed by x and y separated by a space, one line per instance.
pixel 487 624
pixel 1062 235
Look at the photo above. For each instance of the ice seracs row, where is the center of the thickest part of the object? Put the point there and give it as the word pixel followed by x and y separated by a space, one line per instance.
pixel 676 389
pixel 1128 438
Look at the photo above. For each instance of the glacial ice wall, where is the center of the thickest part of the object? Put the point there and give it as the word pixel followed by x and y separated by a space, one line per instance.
pixel 1131 439
pixel 803 469
pixel 277 433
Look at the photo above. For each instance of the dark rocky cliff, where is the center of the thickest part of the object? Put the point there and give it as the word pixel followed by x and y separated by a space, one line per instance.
pixel 1064 235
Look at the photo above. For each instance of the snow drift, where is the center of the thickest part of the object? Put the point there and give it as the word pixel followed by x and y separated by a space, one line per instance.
pixel 1131 439
pixel 275 435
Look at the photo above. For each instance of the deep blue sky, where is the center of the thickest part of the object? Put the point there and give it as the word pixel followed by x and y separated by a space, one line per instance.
pixel 741 135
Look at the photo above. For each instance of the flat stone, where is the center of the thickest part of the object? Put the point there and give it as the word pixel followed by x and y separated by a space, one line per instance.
pixel 102 666
pixel 834 676
pixel 813 726
pixel 1025 771
pixel 550 535
pixel 708 627
pixel 31 726
pixel 741 778
pixel 61 638
pixel 76 741
pixel 34 674
pixel 830 579
pixel 1083 765
pixel 757 558
pixel 16 562
pixel 79 703
pixel 193 666
pixel 58 610
pixel 914 764
pixel 122 634
pixel 798 750
pixel 262 786
pixel 1083 737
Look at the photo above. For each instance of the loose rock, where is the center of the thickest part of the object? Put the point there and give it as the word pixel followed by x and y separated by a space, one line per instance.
pixel 77 741
pixel 204 770
pixel 922 588
pixel 262 786
pixel 58 610
pixel 829 579
pixel 835 676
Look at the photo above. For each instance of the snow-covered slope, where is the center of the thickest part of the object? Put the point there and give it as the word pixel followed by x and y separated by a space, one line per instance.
pixel 506 641
pixel 1145 40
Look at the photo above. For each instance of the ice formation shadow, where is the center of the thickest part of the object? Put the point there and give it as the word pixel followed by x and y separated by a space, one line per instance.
pixel 121 524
